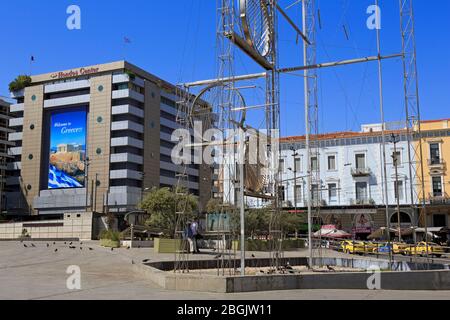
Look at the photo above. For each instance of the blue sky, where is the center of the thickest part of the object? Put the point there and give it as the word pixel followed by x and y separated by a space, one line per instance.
pixel 176 41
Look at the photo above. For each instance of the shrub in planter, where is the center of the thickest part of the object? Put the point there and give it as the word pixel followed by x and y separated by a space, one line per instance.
pixel 19 83
pixel 110 239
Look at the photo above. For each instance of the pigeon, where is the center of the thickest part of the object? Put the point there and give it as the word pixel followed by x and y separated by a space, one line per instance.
pixel 81 248
pixel 90 249
pixel 70 243
pixel 54 243
pixel 146 260
pixel 253 256
pixel 48 245
pixel 81 243
pixel 261 271
pixel 112 249
pixel 71 247
pixel 33 245
pixel 56 250
pixel 330 268
pixel 25 246
pixel 288 266
pixel 65 242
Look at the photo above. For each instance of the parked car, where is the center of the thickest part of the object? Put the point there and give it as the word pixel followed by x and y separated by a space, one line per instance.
pixel 396 247
pixel 353 247
pixel 370 247
pixel 421 249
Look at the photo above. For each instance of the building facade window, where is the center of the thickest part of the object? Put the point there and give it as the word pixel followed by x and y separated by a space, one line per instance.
pixel 399 192
pixel 435 154
pixel 282 193
pixel 297 165
pixel 437 187
pixel 332 192
pixel 298 194
pixel 360 160
pixel 361 191
pixel 281 166
pixel 315 192
pixel 331 163
pixel 314 164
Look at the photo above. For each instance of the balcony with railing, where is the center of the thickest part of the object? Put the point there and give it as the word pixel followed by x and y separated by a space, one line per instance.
pixel 438 198
pixel 361 172
pixel 436 163
pixel 362 202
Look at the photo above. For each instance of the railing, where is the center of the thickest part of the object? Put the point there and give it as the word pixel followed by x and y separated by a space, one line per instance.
pixel 364 201
pixel 436 162
pixel 438 199
pixel 361 172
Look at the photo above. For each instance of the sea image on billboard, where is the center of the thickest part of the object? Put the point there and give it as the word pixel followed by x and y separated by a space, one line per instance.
pixel 67 150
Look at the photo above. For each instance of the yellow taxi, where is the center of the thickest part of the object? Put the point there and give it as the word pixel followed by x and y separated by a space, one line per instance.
pixel 353 247
pixel 370 247
pixel 421 249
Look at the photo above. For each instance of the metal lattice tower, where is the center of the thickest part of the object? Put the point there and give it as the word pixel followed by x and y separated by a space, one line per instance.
pixel 314 184
pixel 182 188
pixel 273 129
pixel 226 21
pixel 412 107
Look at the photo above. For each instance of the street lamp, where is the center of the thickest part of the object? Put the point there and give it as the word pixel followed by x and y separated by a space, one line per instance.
pixel 294 155
pixel 395 139
pixel 86 180
pixel 143 193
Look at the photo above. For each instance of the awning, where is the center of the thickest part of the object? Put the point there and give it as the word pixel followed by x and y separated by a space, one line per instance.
pixel 332 234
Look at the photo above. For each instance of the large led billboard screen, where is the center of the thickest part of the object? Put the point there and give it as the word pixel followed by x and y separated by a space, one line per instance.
pixel 67 149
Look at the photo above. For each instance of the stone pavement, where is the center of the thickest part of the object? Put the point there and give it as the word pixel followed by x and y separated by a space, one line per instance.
pixel 40 273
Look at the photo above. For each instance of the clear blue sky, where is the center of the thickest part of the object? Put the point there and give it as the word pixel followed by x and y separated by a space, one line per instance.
pixel 176 41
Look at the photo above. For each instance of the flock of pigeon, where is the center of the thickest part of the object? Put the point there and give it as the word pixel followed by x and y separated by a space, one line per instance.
pixel 70 245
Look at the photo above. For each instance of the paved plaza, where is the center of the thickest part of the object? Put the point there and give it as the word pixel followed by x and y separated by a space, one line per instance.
pixel 40 273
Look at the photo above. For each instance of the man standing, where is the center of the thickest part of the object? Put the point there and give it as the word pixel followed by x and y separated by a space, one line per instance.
pixel 195 235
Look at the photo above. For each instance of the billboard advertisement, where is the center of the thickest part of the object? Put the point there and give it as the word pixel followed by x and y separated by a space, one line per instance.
pixel 67 149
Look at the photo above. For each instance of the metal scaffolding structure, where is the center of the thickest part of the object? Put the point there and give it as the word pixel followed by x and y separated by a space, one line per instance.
pixel 412 111
pixel 252 27
pixel 313 180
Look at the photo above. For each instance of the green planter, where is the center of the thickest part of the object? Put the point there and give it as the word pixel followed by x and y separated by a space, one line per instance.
pixel 162 245
pixel 109 243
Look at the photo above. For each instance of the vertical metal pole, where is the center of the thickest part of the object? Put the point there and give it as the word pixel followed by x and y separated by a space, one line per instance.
pixel 383 123
pixel 91 196
pixel 86 182
pixel 95 193
pixel 241 201
pixel 397 189
pixel 308 146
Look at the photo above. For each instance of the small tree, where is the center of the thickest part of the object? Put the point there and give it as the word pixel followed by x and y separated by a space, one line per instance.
pixel 19 83
pixel 162 205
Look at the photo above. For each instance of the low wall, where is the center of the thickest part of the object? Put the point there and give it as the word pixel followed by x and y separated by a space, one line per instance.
pixel 73 226
pixel 160 273
pixel 137 244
